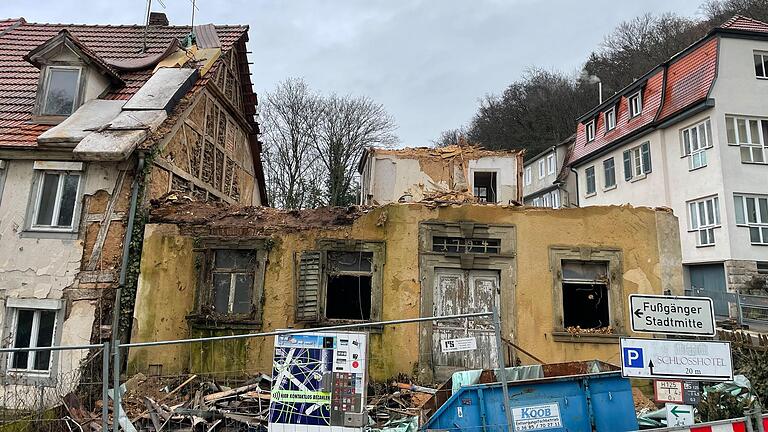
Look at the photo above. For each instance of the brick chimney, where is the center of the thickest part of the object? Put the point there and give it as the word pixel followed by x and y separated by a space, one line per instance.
pixel 158 19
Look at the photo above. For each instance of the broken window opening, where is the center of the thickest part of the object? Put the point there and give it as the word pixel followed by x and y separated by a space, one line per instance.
pixel 585 295
pixel 349 297
pixel 232 277
pixel 348 283
pixel 485 189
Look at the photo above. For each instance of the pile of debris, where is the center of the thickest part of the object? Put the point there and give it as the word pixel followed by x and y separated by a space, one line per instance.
pixel 153 404
pixel 193 403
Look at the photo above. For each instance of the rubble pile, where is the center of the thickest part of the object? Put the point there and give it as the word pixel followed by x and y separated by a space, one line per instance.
pixel 194 403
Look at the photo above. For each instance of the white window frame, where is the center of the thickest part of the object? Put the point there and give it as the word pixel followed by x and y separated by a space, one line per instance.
pixel 636 157
pixel 547 200
pixel 703 218
pixel 589 130
pixel 693 146
pixel 556 199
pixel 542 169
pixel 610 119
pixel 550 164
pixel 635 103
pixel 763 62
pixel 528 175
pixel 37 196
pixel 44 92
pixel 13 306
pixel 743 217
pixel 537 202
pixel 747 142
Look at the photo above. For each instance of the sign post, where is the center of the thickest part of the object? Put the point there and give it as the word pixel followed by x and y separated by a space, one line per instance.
pixel 676 359
pixel 690 316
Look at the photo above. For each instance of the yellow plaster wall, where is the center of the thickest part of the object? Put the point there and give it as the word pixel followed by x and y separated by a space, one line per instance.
pixel 168 272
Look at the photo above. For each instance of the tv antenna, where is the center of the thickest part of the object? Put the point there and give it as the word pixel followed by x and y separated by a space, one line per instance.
pixel 194 8
pixel 146 24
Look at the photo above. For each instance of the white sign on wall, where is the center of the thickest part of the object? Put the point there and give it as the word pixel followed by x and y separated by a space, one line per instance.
pixel 681 359
pixel 537 417
pixel 672 315
pixel 457 345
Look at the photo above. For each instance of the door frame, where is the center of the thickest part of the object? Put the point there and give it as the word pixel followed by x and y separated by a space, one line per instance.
pixel 504 263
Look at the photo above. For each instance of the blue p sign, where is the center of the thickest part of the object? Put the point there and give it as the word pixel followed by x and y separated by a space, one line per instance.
pixel 633 357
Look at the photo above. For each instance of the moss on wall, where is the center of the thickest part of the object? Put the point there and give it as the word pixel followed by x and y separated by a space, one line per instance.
pixel 528 322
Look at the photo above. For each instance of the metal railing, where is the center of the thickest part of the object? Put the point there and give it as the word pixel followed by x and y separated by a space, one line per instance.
pixel 113 360
pixel 749 309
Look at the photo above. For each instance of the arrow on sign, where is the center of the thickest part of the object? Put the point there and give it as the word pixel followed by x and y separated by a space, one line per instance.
pixel 638 313
pixel 650 366
pixel 677 411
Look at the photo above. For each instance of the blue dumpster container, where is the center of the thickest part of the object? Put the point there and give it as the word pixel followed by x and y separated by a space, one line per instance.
pixel 599 402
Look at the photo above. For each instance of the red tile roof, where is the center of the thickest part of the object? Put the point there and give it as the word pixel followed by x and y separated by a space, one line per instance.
pixel 687 79
pixel 651 100
pixel 739 22
pixel 18 78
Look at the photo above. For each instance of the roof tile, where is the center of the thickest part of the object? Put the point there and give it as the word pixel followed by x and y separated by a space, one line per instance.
pixel 18 78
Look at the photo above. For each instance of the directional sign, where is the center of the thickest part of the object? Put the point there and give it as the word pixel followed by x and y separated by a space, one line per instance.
pixel 664 358
pixel 672 315
pixel 668 391
pixel 679 415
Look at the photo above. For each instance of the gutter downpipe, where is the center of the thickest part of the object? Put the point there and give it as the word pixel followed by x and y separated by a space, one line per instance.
pixel 126 250
pixel 576 173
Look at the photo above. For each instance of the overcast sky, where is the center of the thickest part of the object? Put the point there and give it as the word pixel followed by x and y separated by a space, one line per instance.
pixel 427 61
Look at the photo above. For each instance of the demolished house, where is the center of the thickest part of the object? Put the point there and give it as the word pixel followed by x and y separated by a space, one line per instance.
pixel 95 122
pixel 456 172
pixel 558 278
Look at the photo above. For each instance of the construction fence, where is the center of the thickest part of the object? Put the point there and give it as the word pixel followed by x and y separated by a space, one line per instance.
pixel 87 390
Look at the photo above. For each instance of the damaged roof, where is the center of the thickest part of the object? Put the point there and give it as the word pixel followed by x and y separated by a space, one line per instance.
pixel 110 45
pixel 203 217
pixel 470 152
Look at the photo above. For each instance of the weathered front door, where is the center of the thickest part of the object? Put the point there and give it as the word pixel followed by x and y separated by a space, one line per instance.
pixel 457 292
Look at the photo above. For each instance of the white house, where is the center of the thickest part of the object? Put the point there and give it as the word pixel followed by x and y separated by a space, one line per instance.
pixel 546 179
pixel 691 135
pixel 423 173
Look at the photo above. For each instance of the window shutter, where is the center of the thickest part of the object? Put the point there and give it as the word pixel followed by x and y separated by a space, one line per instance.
pixel 627 166
pixel 645 149
pixel 308 286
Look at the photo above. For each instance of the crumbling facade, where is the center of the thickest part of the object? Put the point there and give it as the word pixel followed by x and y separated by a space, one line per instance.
pixel 453 172
pixel 559 279
pixel 95 128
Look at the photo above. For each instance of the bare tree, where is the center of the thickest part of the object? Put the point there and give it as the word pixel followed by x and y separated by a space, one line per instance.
pixel 450 137
pixel 348 125
pixel 289 116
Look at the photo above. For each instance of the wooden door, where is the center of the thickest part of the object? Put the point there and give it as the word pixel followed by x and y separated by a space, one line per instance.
pixel 458 292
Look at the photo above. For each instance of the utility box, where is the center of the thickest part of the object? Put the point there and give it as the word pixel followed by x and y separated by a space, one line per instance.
pixel 599 402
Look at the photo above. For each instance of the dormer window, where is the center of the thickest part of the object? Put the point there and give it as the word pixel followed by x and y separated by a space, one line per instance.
pixel 610 119
pixel 635 104
pixel 590 130
pixel 60 90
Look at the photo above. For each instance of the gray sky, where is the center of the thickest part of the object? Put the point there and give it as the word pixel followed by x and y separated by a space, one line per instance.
pixel 427 61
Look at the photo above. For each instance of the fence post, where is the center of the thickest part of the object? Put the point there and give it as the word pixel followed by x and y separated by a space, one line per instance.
pixel 738 310
pixel 105 387
pixel 502 367
pixel 116 387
